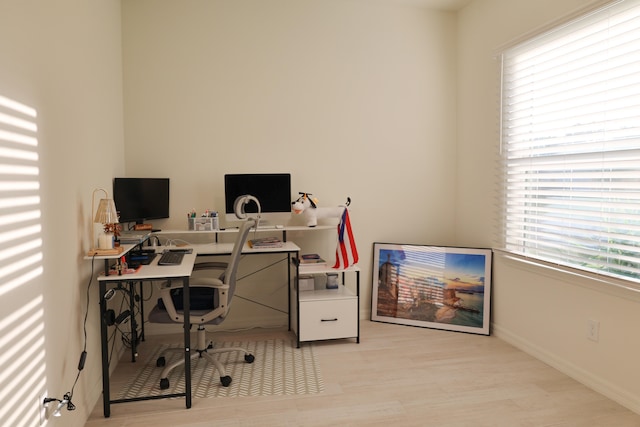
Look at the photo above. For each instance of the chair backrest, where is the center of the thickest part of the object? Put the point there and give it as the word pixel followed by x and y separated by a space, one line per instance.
pixel 231 272
pixel 172 306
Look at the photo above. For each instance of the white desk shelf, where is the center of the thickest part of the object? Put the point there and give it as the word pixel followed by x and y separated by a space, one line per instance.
pixel 321 313
pixel 267 229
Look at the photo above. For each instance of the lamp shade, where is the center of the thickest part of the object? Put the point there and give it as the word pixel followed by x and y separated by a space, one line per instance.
pixel 106 212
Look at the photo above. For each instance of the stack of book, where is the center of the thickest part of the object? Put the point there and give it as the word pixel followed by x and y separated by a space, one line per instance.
pixel 311 259
pixel 266 242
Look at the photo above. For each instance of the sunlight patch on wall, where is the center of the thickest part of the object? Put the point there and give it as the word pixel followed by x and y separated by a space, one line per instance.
pixel 22 340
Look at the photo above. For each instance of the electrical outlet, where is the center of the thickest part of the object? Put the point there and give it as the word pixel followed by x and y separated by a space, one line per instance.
pixel 593 330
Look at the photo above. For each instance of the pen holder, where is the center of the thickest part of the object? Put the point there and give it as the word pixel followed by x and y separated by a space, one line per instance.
pixel 203 223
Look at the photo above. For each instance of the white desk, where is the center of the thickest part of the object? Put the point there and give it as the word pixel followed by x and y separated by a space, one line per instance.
pixel 153 271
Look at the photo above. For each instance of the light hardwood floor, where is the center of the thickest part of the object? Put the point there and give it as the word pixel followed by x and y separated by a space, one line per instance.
pixel 397 375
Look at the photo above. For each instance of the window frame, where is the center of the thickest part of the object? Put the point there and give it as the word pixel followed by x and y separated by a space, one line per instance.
pixel 526 240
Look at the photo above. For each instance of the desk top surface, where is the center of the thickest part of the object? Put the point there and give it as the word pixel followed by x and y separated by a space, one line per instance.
pixel 227 248
pixel 206 249
pixel 266 229
pixel 155 271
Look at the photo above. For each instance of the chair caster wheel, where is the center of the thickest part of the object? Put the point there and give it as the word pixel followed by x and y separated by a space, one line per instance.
pixel 164 383
pixel 160 362
pixel 249 358
pixel 225 381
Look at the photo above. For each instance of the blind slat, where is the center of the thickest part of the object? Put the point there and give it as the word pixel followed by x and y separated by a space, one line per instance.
pixel 571 144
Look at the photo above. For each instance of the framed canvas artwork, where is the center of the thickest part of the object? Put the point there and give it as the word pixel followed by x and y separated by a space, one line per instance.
pixel 432 286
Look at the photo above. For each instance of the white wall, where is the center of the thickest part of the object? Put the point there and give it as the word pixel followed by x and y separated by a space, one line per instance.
pixel 62 58
pixel 541 311
pixel 353 98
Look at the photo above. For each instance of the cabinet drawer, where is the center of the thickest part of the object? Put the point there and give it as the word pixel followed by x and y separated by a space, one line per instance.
pixel 328 319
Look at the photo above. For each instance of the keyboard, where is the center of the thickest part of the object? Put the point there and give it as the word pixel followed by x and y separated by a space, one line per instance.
pixel 171 258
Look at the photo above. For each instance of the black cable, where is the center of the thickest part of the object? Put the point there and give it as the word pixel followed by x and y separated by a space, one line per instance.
pixel 124 336
pixel 113 345
pixel 142 291
pixel 83 355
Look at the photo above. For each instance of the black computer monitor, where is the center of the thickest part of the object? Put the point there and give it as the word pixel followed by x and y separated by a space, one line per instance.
pixel 140 199
pixel 273 191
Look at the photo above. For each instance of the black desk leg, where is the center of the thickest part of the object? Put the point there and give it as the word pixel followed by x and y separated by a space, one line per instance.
pixel 358 293
pixel 106 397
pixel 289 284
pixel 134 325
pixel 187 343
pixel 296 285
pixel 141 305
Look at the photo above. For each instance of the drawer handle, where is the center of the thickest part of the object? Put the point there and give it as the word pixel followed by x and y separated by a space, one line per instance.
pixel 329 320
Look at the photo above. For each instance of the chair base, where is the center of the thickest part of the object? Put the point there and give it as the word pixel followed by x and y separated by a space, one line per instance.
pixel 206 351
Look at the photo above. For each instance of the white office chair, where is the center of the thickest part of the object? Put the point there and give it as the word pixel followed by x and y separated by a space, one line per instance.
pixel 210 299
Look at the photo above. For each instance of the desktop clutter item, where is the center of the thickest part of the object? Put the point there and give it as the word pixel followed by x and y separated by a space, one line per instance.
pixel 308 207
pixel 208 221
pixel 332 281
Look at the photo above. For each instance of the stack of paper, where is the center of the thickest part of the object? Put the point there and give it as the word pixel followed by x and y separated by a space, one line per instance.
pixel 133 236
pixel 266 242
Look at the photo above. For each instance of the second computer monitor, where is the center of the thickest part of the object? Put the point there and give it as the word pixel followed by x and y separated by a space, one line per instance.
pixel 273 190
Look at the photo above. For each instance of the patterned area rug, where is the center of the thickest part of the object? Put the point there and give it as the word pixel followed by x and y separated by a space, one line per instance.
pixel 279 369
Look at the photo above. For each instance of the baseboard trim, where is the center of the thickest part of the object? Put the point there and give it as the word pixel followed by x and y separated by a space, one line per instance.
pixel 595 383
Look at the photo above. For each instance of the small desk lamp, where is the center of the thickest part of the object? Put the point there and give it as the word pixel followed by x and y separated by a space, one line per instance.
pixel 106 214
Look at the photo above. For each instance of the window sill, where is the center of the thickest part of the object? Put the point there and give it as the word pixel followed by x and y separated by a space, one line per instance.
pixel 596 282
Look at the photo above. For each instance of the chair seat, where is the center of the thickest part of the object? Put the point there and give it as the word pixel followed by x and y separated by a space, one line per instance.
pixel 200 298
pixel 159 315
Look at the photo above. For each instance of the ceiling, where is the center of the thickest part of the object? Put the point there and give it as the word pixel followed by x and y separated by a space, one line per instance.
pixel 449 5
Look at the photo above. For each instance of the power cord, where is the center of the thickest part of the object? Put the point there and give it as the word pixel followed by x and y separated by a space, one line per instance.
pixel 117 321
pixel 176 242
pixel 66 399
pixel 83 355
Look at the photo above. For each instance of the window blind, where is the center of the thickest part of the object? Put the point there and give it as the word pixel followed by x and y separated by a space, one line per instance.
pixel 571 143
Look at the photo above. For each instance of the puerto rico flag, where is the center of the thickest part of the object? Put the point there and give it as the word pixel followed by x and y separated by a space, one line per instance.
pixel 346 252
